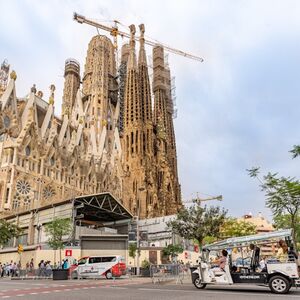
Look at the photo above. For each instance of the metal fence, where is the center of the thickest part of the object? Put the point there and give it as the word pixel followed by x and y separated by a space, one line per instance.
pixel 166 272
pixel 28 273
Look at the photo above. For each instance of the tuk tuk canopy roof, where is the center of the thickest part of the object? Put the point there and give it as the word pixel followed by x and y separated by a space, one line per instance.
pixel 246 240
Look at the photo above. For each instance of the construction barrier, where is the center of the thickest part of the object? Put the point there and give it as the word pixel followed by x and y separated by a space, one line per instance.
pixel 167 272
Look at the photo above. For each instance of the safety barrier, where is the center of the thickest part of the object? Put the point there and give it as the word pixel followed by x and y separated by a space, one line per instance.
pixel 28 273
pixel 165 272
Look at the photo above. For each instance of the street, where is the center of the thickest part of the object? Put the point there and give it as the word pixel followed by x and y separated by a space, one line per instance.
pixel 136 288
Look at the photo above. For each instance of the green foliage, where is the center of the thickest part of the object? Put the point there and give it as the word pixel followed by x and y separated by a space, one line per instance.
pixel 296 151
pixel 8 231
pixel 232 228
pixel 209 240
pixel 282 195
pixel 284 222
pixel 145 264
pixel 55 230
pixel 132 248
pixel 172 250
pixel 197 222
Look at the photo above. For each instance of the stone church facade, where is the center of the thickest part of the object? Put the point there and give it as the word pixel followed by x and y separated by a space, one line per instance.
pixel 115 134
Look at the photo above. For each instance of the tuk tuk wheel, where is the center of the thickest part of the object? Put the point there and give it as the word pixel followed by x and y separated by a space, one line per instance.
pixel 198 284
pixel 279 284
pixel 74 275
pixel 108 275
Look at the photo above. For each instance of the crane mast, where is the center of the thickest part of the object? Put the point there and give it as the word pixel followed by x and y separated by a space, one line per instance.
pixel 114 31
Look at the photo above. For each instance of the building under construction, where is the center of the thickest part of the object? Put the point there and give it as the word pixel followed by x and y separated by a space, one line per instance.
pixel 115 135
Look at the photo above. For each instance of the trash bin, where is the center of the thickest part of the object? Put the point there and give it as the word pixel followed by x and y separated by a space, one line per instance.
pixel 60 274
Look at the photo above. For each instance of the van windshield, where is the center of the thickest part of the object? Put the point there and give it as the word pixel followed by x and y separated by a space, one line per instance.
pixel 82 261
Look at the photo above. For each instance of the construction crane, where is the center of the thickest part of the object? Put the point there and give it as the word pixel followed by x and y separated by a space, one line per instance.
pixel 198 200
pixel 115 32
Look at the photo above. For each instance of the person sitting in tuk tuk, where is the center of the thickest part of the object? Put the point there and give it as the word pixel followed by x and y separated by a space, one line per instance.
pixel 282 253
pixel 221 262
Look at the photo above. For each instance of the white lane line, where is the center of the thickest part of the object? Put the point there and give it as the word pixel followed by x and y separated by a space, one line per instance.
pixel 4 297
pixel 56 291
pixel 33 293
pixel 46 292
pixel 20 295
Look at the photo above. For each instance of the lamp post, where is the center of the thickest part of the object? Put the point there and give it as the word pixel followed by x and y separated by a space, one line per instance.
pixel 140 189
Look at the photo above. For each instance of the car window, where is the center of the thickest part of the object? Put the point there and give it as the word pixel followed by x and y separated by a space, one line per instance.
pixel 95 260
pixel 82 261
pixel 109 259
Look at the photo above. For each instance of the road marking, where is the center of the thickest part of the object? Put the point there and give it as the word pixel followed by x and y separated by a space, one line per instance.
pixel 33 293
pixel 45 292
pixel 5 297
pixel 20 295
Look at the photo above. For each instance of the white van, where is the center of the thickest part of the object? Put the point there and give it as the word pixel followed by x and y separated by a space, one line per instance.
pixel 98 266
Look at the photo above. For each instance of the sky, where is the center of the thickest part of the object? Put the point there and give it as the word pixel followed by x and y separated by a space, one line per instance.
pixel 238 109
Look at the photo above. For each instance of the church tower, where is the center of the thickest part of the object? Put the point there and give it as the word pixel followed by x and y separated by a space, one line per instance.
pixel 168 185
pixel 71 85
pixel 134 185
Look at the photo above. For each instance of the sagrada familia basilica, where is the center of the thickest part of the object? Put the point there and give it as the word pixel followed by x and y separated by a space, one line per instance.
pixel 115 134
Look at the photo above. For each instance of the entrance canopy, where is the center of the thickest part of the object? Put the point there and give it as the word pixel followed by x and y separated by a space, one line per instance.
pixel 100 208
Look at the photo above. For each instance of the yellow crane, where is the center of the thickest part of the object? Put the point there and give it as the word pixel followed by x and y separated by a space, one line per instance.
pixel 115 32
pixel 198 200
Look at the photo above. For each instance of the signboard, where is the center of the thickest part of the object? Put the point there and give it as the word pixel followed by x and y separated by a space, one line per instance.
pixel 68 252
pixel 131 236
pixel 143 235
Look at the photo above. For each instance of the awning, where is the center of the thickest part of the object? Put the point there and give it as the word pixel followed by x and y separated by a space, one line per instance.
pixel 245 240
pixel 101 208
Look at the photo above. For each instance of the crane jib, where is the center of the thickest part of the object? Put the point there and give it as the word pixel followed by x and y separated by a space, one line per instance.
pixel 114 31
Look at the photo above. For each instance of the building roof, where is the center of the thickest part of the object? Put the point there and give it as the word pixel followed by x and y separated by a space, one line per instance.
pixel 102 207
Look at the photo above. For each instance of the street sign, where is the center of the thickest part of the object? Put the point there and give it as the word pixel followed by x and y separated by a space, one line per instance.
pixel 68 252
pixel 143 235
pixel 131 236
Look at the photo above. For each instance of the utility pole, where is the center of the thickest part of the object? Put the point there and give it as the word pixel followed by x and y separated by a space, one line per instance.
pixel 140 189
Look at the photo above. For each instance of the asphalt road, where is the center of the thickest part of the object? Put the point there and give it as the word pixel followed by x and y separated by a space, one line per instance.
pixel 133 289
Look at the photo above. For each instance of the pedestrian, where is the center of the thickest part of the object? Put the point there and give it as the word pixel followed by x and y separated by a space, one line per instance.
pixel 48 269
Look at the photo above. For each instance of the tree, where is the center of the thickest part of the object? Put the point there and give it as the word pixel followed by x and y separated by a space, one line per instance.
pixel 296 151
pixel 196 222
pixel 282 195
pixel 232 227
pixel 56 230
pixel 284 221
pixel 8 231
pixel 132 248
pixel 172 250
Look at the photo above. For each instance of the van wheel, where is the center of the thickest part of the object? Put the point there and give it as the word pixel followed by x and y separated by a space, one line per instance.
pixel 198 284
pixel 108 275
pixel 74 275
pixel 279 285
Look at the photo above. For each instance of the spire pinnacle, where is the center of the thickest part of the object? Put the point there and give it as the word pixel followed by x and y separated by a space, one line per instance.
pixel 142 52
pixel 132 58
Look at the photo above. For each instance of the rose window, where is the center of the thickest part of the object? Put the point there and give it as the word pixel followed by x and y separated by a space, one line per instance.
pixel 48 192
pixel 23 187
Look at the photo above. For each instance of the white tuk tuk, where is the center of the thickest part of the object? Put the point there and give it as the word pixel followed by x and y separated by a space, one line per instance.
pixel 280 276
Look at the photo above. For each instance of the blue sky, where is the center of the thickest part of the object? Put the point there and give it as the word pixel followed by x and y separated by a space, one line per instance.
pixel 238 109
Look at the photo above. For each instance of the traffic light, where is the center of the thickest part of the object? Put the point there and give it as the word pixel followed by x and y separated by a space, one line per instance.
pixel 20 248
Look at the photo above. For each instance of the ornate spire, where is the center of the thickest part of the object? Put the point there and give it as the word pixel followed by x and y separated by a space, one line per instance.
pixel 51 98
pixel 142 52
pixel 13 75
pixel 132 59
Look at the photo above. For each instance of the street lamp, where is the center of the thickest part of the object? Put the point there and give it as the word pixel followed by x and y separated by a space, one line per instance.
pixel 140 189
